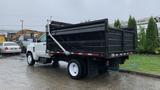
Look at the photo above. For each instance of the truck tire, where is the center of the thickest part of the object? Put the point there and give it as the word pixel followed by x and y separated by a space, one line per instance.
pixel 76 69
pixel 30 59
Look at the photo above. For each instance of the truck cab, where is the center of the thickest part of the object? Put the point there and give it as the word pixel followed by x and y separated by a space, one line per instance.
pixel 37 50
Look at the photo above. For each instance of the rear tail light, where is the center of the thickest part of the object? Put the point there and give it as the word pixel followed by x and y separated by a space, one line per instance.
pixel 6 48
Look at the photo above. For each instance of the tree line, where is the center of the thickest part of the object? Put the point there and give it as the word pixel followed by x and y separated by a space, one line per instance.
pixel 147 39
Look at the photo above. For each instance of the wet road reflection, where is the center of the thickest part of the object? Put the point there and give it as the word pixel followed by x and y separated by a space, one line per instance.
pixel 16 74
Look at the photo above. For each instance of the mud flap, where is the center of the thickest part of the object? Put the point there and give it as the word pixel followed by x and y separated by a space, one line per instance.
pixel 114 64
pixel 92 68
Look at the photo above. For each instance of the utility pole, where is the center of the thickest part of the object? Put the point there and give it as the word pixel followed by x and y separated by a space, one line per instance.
pixel 22 22
pixel 22 25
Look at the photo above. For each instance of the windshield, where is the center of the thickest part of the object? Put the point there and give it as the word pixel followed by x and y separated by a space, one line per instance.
pixel 10 44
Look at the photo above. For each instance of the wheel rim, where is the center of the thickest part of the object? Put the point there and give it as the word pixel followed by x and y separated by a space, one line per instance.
pixel 73 69
pixel 29 59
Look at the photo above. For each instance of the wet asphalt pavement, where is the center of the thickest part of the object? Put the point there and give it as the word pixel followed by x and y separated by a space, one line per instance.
pixel 15 74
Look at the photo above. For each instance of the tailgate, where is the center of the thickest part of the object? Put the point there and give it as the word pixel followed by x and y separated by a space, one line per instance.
pixel 120 42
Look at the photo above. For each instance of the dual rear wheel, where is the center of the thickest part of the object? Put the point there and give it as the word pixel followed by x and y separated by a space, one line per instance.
pixel 77 69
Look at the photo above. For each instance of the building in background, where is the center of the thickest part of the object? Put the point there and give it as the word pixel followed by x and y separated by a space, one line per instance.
pixel 2 38
pixel 15 35
pixel 144 23
pixel 22 37
pixel 26 34
pixel 5 32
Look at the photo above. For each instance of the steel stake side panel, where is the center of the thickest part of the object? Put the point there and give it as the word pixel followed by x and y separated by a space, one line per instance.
pixel 92 37
pixel 121 41
pixel 88 39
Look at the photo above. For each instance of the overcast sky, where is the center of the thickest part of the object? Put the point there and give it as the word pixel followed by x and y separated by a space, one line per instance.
pixel 36 12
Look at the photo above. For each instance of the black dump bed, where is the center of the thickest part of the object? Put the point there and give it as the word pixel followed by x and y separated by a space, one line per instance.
pixel 92 37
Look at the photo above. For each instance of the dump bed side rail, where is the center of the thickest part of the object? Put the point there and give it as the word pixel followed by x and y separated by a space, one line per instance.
pixel 92 38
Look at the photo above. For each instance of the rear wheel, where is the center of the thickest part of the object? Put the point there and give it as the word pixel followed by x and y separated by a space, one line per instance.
pixel 30 59
pixel 76 69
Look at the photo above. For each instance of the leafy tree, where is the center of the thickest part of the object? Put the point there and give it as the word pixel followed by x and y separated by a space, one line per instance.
pixel 141 40
pixel 117 23
pixel 151 36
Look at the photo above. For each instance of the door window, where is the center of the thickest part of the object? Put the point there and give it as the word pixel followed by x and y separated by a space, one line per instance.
pixel 43 38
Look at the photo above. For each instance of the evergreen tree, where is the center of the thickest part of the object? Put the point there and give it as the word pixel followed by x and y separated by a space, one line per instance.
pixel 141 40
pixel 117 24
pixel 151 36
pixel 157 35
pixel 130 25
pixel 133 25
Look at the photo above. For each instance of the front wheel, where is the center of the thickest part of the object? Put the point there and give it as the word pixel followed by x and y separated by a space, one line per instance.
pixel 76 69
pixel 30 59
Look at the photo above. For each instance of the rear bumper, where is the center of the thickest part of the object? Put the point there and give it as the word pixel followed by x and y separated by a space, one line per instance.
pixel 11 51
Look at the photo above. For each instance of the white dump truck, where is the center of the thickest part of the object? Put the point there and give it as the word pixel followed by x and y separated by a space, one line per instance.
pixel 89 48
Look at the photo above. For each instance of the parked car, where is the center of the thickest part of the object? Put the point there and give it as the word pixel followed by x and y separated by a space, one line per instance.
pixel 10 47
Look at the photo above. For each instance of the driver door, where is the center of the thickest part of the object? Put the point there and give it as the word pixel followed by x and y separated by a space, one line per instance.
pixel 40 47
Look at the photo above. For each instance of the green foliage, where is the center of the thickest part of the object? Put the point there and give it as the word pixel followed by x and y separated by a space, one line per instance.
pixel 145 63
pixel 151 36
pixel 117 24
pixel 157 35
pixel 141 40
pixel 157 51
pixel 132 23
